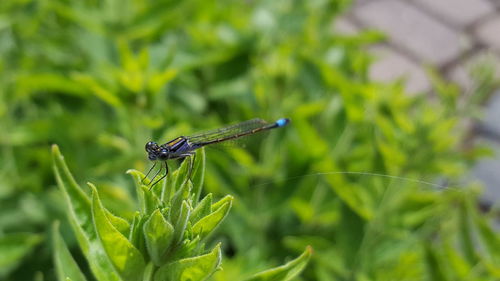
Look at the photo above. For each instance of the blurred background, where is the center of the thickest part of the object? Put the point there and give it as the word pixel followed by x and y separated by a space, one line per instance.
pixel 399 88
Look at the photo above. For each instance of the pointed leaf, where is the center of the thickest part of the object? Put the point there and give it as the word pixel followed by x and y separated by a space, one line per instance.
pixel 137 177
pixel 207 224
pixel 191 269
pixel 204 208
pixel 151 201
pixel 77 200
pixel 181 223
pixel 119 223
pixel 221 202
pixel 180 196
pixel 80 217
pixel 125 258
pixel 159 234
pixel 285 272
pixel 147 198
pixel 65 265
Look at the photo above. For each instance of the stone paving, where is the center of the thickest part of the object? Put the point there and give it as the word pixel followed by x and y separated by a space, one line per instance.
pixel 451 36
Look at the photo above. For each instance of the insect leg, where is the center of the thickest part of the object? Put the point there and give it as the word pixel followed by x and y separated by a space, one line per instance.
pixel 147 174
pixel 157 173
pixel 162 177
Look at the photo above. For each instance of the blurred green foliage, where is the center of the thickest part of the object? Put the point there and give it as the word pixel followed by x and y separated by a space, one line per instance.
pixel 100 78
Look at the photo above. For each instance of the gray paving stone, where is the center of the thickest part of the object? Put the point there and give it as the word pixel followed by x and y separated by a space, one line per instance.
pixel 462 72
pixel 491 119
pixel 459 12
pixel 361 2
pixel 392 65
pixel 489 32
pixel 413 30
pixel 496 3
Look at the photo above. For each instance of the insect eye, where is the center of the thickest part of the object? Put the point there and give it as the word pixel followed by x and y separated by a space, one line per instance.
pixel 151 146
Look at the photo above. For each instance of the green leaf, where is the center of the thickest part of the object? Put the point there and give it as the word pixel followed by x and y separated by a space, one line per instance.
pixel 77 200
pixel 147 199
pixel 486 234
pixel 207 224
pixel 180 196
pixel 159 234
pixel 176 185
pixel 65 265
pixel 125 258
pixel 119 223
pixel 149 271
pixel 151 201
pixel 180 175
pixel 434 268
pixel 204 208
pixel 285 272
pixel 221 202
pixel 465 234
pixel 80 217
pixel 50 82
pixel 160 79
pixel 137 177
pixel 191 269
pixel 136 236
pixel 94 87
pixel 457 264
pixel 180 225
pixel 13 248
pixel 198 174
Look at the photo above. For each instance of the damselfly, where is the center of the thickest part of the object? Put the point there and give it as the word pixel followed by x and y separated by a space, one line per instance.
pixel 182 147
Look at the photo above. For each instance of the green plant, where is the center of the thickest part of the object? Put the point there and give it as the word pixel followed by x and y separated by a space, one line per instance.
pixel 164 241
pixel 100 78
pixel 13 247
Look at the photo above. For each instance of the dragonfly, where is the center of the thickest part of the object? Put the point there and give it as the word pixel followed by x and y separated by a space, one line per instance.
pixel 182 147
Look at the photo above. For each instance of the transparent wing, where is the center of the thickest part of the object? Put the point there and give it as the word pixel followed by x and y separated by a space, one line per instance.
pixel 228 131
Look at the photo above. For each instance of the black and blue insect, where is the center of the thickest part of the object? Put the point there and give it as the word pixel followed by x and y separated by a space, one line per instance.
pixel 182 147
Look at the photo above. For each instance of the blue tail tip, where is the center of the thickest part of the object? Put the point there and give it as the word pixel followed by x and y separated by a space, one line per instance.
pixel 282 122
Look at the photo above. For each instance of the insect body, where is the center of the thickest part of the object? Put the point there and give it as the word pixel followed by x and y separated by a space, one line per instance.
pixel 182 147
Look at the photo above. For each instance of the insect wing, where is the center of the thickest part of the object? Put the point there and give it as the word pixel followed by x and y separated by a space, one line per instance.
pixel 228 131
